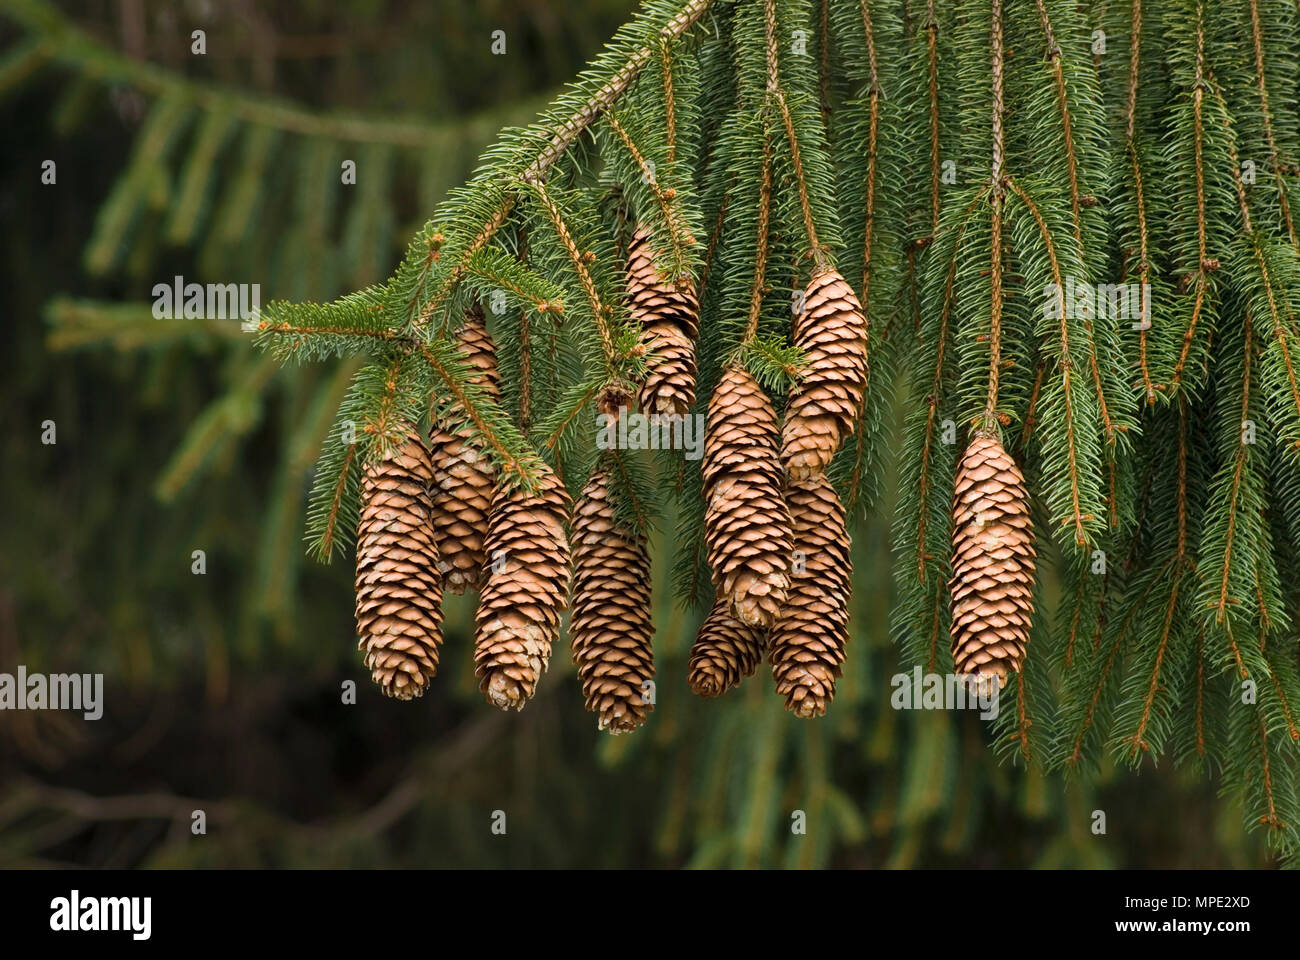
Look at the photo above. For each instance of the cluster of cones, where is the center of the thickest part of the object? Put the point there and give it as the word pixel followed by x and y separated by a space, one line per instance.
pixel 436 517
pixel 777 539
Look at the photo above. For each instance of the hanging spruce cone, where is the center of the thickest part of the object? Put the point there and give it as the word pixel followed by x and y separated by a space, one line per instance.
pixel 992 563
pixel 399 588
pixel 463 476
pixel 669 326
pixel 746 523
pixel 724 653
pixel 825 405
pixel 610 626
pixel 525 584
pixel 812 632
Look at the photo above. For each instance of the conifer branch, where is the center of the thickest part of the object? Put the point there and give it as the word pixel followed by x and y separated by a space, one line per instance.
pixel 525 373
pixel 873 129
pixel 1293 731
pixel 707 266
pixel 824 58
pixel 1266 115
pixel 1138 735
pixel 1021 733
pixel 998 197
pixel 1067 128
pixel 679 234
pixel 1077 517
pixel 1200 693
pixel 578 259
pixel 327 536
pixel 1031 411
pixel 1233 500
pixel 507 459
pixel 670 97
pixel 760 256
pixel 777 92
pixel 1076 205
pixel 565 135
pixel 1198 146
pixel 611 90
pixel 1271 818
pixel 1144 253
pixel 1098 688
pixel 932 61
pixel 563 423
pixel 936 391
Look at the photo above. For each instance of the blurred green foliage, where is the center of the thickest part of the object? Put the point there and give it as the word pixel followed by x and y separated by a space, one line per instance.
pixel 223 690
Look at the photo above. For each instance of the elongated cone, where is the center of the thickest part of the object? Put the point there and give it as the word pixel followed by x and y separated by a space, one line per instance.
pixel 399 588
pixel 668 314
pixel 463 476
pixel 992 564
pixel 746 522
pixel 610 626
pixel 825 405
pixel 525 586
pixel 724 653
pixel 810 637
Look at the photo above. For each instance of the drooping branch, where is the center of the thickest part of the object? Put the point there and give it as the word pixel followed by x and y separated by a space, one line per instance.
pixel 998 200
pixel 760 262
pixel 566 134
pixel 1144 253
pixel 777 93
pixel 1198 146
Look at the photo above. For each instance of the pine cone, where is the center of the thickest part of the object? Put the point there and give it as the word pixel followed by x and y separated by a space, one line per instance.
pixel 724 653
pixel 812 632
pixel 399 588
pixel 525 586
pixel 992 563
pixel 825 405
pixel 746 522
pixel 668 315
pixel 610 626
pixel 463 476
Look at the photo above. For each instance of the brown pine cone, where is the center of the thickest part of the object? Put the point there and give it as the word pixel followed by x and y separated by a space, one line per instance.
pixel 398 586
pixel 724 653
pixel 463 476
pixel 610 626
pixel 809 640
pixel 746 522
pixel 668 315
pixel 525 586
pixel 826 403
pixel 992 563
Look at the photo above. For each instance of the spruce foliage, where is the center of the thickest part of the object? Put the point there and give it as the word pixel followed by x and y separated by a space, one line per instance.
pixel 994 178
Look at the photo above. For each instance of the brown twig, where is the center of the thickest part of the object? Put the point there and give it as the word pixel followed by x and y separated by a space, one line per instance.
pixel 566 134
pixel 760 264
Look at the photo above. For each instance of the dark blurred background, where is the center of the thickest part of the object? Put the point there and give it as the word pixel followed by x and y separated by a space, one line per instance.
pixel 223 690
